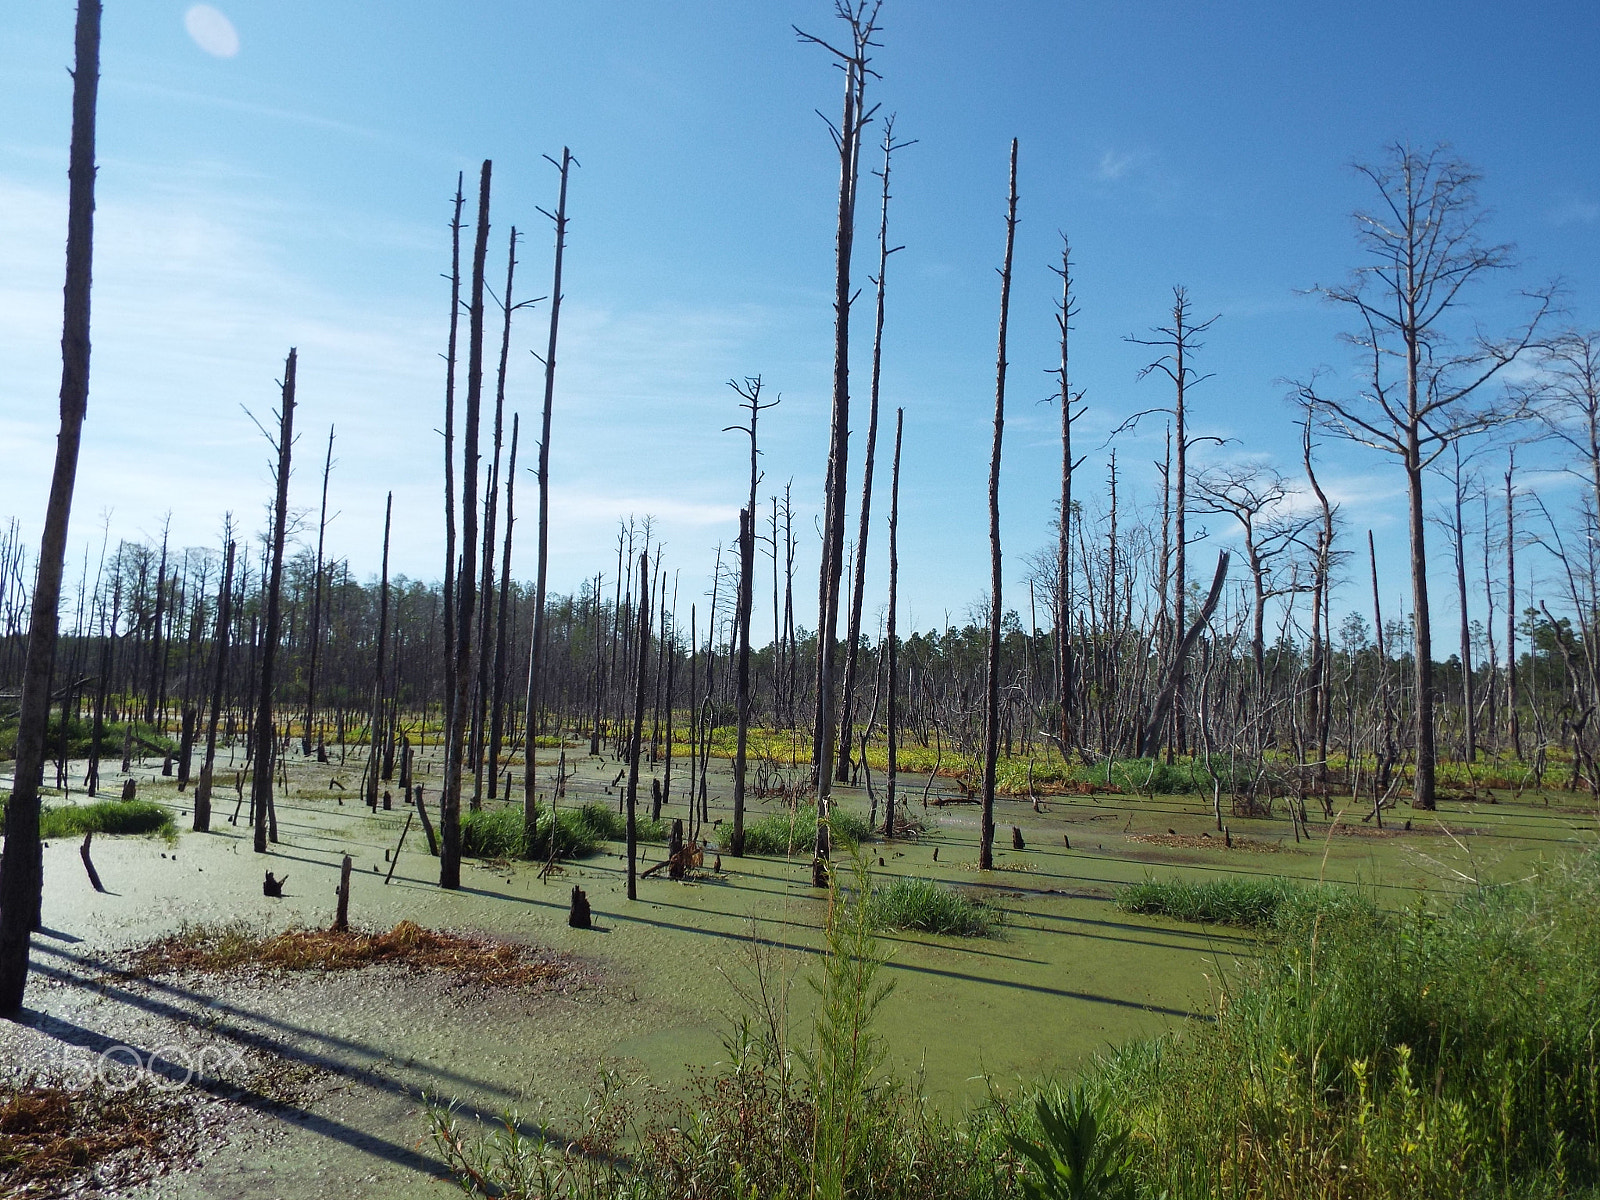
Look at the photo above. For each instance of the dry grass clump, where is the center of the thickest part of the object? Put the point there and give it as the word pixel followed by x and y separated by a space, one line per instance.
pixel 235 947
pixel 52 1137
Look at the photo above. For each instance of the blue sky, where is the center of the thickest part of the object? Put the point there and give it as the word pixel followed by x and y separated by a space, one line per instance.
pixel 297 192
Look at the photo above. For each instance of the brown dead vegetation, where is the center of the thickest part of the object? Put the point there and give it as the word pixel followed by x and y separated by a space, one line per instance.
pixel 468 959
pixel 52 1138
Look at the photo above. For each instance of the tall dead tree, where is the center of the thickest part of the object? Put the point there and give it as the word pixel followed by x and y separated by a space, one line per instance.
pixel 1421 387
pixel 750 396
pixel 373 738
pixel 991 700
pixel 1177 341
pixel 219 676
pixel 869 455
pixel 893 719
pixel 530 802
pixel 466 577
pixel 634 743
pixel 1065 398
pixel 497 703
pixel 450 461
pixel 266 742
pixel 861 18
pixel 483 686
pixel 315 635
pixel 21 866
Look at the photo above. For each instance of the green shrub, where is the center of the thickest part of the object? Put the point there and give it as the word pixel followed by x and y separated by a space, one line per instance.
pixel 1253 903
pixel 931 907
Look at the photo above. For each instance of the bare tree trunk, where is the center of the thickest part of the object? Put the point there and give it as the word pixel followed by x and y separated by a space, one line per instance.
pixel 530 802
pixel 497 703
pixel 466 582
pixel 859 577
pixel 894 649
pixel 1513 724
pixel 1063 613
pixel 266 742
pixel 377 674
pixel 747 554
pixel 483 686
pixel 991 709
pixel 638 722
pixel 21 866
pixel 316 606
pixel 450 471
pixel 862 23
pixel 219 674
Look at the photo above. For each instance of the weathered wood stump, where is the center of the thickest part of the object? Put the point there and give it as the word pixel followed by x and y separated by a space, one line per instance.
pixel 579 916
pixel 1016 839
pixel 273 887
pixel 130 789
pixel 675 849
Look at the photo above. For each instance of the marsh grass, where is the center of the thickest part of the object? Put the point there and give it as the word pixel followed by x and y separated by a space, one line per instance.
pixel 1263 903
pixel 929 907
pixel 794 832
pixel 498 832
pixel 104 816
pixel 1446 1052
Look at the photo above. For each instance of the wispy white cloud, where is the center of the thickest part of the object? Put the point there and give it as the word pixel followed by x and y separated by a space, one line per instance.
pixel 1575 211
pixel 1114 165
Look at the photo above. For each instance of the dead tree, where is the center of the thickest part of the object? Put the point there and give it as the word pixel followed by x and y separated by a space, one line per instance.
pixel 1421 388
pixel 861 17
pixel 315 635
pixel 21 866
pixel 869 456
pixel 449 589
pixel 991 707
pixel 893 718
pixel 466 581
pixel 638 723
pixel 377 669
pixel 1179 345
pixel 219 675
pixel 750 395
pixel 1065 398
pixel 497 703
pixel 530 804
pixel 266 742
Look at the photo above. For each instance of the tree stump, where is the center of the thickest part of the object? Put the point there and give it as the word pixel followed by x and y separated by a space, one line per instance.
pixel 273 887
pixel 579 916
pixel 675 849
pixel 130 789
pixel 341 916
pixel 1016 839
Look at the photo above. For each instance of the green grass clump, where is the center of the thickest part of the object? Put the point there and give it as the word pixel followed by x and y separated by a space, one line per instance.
pixel 931 907
pixel 1252 903
pixel 1447 1052
pixel 104 816
pixel 498 832
pixel 794 832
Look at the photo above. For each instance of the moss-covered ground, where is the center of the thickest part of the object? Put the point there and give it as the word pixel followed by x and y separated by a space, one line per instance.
pixel 1069 974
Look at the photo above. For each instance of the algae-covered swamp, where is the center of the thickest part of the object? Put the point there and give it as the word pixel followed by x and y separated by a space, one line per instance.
pixel 309 1083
